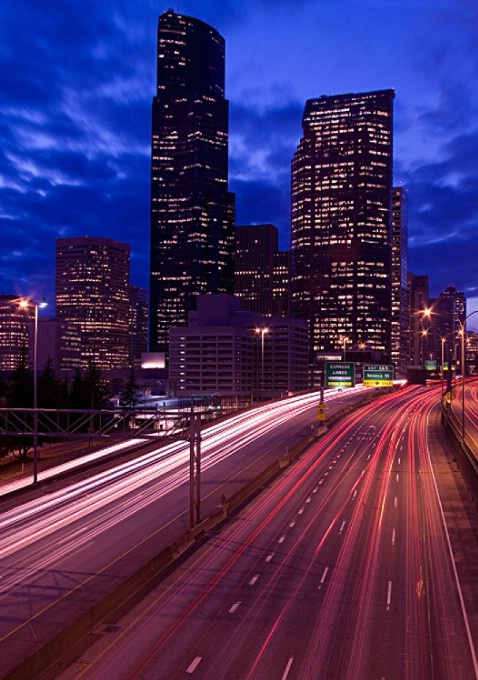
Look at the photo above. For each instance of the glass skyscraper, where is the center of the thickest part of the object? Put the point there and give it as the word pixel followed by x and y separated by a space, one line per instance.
pixel 192 211
pixel 342 222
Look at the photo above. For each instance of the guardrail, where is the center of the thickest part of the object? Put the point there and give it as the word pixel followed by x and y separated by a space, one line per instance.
pixel 466 456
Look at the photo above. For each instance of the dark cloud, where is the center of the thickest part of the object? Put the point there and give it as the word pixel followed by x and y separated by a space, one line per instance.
pixel 76 82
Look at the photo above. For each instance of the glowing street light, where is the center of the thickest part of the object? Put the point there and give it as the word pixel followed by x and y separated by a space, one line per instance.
pixel 26 303
pixel 262 331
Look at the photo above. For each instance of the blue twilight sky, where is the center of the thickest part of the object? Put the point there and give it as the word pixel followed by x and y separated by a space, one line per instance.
pixel 77 79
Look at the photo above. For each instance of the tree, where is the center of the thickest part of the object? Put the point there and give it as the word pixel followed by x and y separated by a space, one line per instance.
pixel 130 395
pixel 20 389
pixel 48 387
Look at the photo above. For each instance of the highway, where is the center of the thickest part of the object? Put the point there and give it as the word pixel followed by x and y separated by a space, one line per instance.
pixel 342 570
pixel 71 545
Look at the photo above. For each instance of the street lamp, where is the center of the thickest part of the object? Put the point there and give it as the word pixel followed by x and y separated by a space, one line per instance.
pixel 262 332
pixel 26 303
pixel 344 339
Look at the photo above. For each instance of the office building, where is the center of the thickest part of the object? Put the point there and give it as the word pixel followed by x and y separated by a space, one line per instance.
pixel 400 315
pixel 92 291
pixel 14 332
pixel 448 314
pixel 238 353
pixel 192 211
pixel 262 273
pixel 60 343
pixel 419 321
pixel 342 223
pixel 138 324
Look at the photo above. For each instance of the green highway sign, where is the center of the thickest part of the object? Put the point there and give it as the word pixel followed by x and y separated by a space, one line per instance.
pixel 430 365
pixel 378 376
pixel 339 374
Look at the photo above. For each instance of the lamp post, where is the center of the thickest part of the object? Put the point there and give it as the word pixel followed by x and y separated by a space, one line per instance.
pixel 262 332
pixel 25 303
pixel 345 338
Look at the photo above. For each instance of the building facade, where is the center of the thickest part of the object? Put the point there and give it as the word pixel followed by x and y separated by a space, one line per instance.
pixel 93 292
pixel 138 324
pixel 192 211
pixel 419 342
pixel 14 332
pixel 227 351
pixel 262 272
pixel 400 315
pixel 342 222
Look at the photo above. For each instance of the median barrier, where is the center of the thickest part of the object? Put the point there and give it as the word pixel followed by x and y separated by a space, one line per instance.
pixel 465 455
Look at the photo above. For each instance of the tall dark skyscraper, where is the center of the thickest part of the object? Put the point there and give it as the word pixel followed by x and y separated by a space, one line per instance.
pixel 192 211
pixel 342 221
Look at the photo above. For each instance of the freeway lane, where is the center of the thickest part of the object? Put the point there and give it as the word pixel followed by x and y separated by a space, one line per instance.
pixel 341 571
pixel 63 551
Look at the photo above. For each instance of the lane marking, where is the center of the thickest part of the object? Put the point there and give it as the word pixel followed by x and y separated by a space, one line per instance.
pixel 287 668
pixel 269 557
pixel 323 577
pixel 393 537
pixel 342 527
pixel 321 481
pixel 292 525
pixel 315 490
pixel 192 666
pixel 301 511
pixel 398 477
pixel 354 494
pixel 308 500
pixel 234 607
pixel 253 579
pixel 389 594
pixel 395 501
pixel 281 539
pixel 399 461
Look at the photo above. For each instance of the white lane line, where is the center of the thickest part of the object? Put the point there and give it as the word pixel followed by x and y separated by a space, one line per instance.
pixel 281 539
pixel 393 537
pixel 253 579
pixel 399 461
pixel 321 481
pixel 342 527
pixel 315 490
pixel 192 667
pixel 325 474
pixel 301 511
pixel 234 607
pixel 354 494
pixel 323 577
pixel 395 502
pixel 287 668
pixel 389 594
pixel 398 477
pixel 291 525
pixel 269 557
pixel 369 456
pixel 308 500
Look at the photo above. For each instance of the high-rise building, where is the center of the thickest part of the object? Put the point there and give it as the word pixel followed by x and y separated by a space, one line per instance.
pixel 261 277
pixel 138 324
pixel 192 211
pixel 341 222
pixel 400 316
pixel 419 321
pixel 92 291
pixel 447 316
pixel 14 332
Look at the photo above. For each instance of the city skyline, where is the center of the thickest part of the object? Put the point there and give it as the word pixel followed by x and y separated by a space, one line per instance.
pixel 76 120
